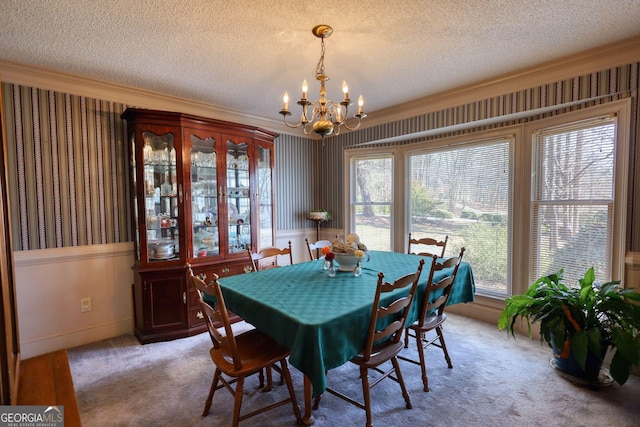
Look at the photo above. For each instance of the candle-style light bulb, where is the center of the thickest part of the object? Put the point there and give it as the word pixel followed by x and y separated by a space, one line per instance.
pixel 360 104
pixel 285 101
pixel 305 88
pixel 345 89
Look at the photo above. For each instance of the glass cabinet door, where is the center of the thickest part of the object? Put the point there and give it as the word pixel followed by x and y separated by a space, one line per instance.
pixel 204 197
pixel 238 197
pixel 161 197
pixel 264 195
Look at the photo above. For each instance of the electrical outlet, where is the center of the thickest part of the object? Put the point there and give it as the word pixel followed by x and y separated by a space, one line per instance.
pixel 85 305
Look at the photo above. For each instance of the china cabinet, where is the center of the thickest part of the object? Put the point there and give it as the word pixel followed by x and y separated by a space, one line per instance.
pixel 201 194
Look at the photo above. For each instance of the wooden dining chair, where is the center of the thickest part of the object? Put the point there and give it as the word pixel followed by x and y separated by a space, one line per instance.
pixel 253 263
pixel 267 257
pixel 432 313
pixel 316 247
pixel 234 318
pixel 240 356
pixel 383 345
pixel 436 247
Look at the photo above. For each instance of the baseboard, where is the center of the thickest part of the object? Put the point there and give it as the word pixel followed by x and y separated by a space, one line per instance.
pixel 75 338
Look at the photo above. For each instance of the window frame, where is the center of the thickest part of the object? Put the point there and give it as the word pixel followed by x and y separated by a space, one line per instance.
pixel 523 135
pixel 351 157
pixel 621 109
pixel 480 139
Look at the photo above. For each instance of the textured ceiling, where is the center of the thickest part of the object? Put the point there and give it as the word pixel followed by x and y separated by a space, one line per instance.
pixel 242 55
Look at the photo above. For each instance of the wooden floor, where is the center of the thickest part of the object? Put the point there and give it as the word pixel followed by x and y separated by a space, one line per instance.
pixel 46 380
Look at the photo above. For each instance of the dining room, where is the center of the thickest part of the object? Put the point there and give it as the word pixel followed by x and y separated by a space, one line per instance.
pixel 475 160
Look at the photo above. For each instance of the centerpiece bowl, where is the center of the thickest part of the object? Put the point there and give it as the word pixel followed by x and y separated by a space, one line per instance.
pixel 345 261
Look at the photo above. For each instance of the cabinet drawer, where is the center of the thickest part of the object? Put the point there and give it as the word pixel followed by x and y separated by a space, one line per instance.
pixel 231 270
pixel 195 316
pixel 206 274
pixel 222 270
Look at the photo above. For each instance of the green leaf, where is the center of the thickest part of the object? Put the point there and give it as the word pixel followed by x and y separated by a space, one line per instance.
pixel 619 368
pixel 626 346
pixel 594 338
pixel 631 294
pixel 586 293
pixel 556 333
pixel 503 320
pixel 579 347
pixel 588 279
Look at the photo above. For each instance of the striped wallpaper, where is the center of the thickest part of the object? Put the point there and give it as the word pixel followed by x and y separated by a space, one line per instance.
pixel 293 180
pixel 566 95
pixel 68 172
pixel 68 169
pixel 583 91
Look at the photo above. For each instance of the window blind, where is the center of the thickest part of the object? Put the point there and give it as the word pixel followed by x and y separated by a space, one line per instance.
pixel 572 199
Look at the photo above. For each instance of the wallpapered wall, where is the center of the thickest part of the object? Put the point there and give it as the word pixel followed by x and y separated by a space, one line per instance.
pixel 568 95
pixel 68 169
pixel 68 174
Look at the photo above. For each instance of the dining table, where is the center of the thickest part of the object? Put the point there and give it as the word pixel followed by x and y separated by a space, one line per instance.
pixel 324 319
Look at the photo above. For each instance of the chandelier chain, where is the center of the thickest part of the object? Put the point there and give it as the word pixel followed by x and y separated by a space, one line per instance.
pixel 320 66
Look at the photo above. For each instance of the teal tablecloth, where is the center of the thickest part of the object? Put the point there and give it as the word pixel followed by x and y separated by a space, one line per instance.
pixel 322 319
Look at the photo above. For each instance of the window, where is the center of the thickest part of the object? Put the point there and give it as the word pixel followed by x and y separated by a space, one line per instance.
pixel 524 200
pixel 465 192
pixel 372 200
pixel 573 198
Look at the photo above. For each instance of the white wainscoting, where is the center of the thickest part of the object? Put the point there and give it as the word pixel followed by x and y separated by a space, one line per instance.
pixel 298 245
pixel 50 284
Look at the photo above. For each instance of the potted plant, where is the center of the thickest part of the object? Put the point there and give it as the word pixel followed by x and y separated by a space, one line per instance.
pixel 581 323
pixel 319 215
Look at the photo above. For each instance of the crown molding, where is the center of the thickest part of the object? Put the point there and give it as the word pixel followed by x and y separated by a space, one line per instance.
pixel 597 59
pixel 623 52
pixel 32 76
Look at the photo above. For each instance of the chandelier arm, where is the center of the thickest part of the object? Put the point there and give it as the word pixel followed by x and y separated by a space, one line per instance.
pixel 303 119
pixel 290 125
pixel 308 128
pixel 344 123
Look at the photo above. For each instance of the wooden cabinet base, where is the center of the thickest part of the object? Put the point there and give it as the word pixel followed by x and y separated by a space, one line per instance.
pixel 166 307
pixel 168 336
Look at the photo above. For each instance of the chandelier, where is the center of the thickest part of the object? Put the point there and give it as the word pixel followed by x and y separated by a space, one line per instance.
pixel 327 117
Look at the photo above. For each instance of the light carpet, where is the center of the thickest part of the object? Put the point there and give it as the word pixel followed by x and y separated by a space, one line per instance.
pixel 495 381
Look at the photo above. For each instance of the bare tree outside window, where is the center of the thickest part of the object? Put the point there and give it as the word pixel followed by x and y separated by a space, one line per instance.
pixel 372 208
pixel 465 193
pixel 573 199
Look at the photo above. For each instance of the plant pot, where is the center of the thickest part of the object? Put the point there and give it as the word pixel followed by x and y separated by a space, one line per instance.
pixel 570 366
